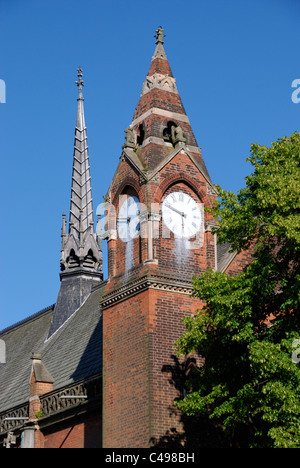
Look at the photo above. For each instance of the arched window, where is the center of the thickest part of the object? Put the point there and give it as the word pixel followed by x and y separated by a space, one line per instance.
pixel 89 261
pixel 140 134
pixel 73 260
pixel 167 132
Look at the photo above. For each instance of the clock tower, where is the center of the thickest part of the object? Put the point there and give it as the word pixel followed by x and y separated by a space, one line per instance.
pixel 158 236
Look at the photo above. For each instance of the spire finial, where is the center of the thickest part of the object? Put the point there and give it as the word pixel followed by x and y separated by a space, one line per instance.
pixel 63 230
pixel 79 83
pixel 159 35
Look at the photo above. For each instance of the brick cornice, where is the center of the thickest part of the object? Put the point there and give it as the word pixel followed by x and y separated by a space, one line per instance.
pixel 163 282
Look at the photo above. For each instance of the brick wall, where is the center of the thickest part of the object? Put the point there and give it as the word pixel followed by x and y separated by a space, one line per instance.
pixel 239 262
pixel 142 376
pixel 126 373
pixel 83 432
pixel 166 309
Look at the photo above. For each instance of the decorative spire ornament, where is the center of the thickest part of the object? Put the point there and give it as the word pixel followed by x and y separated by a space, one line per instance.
pixel 159 35
pixel 79 83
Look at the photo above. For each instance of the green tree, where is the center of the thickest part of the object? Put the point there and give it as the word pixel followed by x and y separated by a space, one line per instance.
pixel 249 383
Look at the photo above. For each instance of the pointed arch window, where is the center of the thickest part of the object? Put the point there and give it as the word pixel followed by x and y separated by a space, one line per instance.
pixel 140 134
pixel 167 131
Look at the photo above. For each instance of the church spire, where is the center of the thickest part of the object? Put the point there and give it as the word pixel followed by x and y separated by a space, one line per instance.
pixel 81 256
pixel 81 219
pixel 160 125
pixel 81 192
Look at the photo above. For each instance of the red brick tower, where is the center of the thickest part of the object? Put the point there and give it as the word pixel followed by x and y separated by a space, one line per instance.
pixel 158 237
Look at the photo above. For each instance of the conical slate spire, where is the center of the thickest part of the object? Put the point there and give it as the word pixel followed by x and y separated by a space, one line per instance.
pixel 81 256
pixel 81 192
pixel 80 247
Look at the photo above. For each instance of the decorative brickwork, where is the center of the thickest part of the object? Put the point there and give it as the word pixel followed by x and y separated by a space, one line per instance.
pixel 146 298
pixel 136 314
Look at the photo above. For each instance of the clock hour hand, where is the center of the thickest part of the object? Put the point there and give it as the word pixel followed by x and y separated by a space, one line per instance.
pixel 177 211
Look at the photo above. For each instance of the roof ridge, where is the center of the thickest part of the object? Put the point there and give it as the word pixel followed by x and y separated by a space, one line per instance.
pixel 27 319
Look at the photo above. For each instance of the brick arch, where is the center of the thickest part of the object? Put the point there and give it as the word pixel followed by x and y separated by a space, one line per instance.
pixel 131 183
pixel 164 125
pixel 176 179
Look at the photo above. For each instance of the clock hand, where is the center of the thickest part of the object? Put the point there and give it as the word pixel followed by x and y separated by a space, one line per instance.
pixel 177 211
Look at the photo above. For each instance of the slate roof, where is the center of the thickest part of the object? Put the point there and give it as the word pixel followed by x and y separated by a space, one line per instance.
pixel 224 255
pixel 72 353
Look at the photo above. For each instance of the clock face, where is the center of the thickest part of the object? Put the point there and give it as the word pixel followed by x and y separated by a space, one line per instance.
pixel 128 219
pixel 181 214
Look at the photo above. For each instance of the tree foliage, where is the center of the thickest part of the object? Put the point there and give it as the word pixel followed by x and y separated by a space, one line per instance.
pixel 246 331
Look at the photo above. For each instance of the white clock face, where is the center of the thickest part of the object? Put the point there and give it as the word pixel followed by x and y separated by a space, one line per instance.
pixel 128 219
pixel 181 214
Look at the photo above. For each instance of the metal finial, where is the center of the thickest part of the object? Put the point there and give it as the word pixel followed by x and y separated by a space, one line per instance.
pixel 79 83
pixel 98 231
pixel 63 229
pixel 159 35
pixel 79 74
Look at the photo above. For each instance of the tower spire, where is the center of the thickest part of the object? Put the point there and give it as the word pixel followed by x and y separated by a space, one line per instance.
pixel 160 121
pixel 81 256
pixel 81 191
pixel 81 218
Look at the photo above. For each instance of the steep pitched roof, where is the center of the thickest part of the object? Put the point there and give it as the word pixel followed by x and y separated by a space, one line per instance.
pixel 160 111
pixel 72 353
pixel 224 255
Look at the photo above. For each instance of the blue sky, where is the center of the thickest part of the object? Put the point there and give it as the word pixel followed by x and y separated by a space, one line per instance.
pixel 234 63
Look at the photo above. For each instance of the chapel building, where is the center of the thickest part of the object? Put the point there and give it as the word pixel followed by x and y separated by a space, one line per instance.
pixel 98 368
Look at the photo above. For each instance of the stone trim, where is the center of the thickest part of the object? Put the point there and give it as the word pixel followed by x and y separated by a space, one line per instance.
pixel 159 81
pixel 162 112
pixel 21 411
pixel 87 390
pixel 161 141
pixel 162 283
pixel 52 404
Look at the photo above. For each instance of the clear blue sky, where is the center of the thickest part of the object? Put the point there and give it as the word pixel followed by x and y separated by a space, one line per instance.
pixel 234 62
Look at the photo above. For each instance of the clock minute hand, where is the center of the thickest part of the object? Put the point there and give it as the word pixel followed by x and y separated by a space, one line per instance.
pixel 177 211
